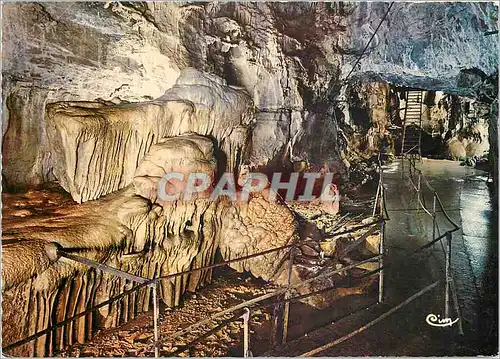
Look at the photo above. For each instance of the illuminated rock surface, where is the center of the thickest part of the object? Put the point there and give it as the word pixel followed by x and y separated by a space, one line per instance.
pixel 290 58
pixel 106 98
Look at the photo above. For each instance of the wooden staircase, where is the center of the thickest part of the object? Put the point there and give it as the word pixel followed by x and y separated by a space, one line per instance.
pixel 412 125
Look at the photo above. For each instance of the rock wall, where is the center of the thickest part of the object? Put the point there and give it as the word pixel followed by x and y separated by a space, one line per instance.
pixel 368 114
pixel 454 127
pixel 97 147
pixel 426 45
pixel 139 53
pixel 289 57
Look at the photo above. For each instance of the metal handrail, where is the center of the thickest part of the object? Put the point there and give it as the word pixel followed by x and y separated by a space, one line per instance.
pixel 429 186
pixel 445 213
pixel 380 197
pixel 269 295
pixel 408 152
pixel 449 284
pixel 371 323
pixel 144 282
pixel 71 319
pixel 449 287
pixel 281 291
pixel 254 301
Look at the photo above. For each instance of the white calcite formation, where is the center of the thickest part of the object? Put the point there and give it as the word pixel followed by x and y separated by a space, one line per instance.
pixel 182 155
pixel 96 147
pixel 222 112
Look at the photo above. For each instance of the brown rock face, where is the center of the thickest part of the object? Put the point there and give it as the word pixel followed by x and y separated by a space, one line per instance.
pixel 254 226
pixel 131 230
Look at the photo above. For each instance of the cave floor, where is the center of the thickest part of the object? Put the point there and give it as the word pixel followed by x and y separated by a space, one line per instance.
pixel 466 197
pixel 227 289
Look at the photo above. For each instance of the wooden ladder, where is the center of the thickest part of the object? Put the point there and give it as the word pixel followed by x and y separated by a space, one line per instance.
pixel 411 143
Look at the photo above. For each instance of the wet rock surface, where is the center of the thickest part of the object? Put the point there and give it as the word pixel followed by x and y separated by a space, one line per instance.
pixel 474 267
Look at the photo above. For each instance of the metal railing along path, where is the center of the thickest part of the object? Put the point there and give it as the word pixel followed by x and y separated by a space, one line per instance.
pixel 449 285
pixel 152 283
pixel 450 291
pixel 371 323
pixel 242 310
pixel 380 202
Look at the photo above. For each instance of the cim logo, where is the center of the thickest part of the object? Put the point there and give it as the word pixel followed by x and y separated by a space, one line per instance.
pixel 435 321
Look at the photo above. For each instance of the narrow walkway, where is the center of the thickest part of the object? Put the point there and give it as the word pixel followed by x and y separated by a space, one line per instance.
pixel 406 331
pixel 475 251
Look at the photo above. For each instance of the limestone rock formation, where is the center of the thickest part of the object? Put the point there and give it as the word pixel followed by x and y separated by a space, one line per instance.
pixel 246 225
pixel 425 45
pixel 184 155
pixel 121 230
pixel 131 230
pixel 255 226
pixel 97 147
pixel 222 112
pixel 291 59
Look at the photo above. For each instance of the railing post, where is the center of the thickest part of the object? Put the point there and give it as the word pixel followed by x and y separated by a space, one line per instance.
pixel 286 311
pixel 155 317
pixel 381 262
pixel 276 324
pixel 457 309
pixel 376 200
pixel 434 216
pixel 448 275
pixel 402 165
pixel 246 338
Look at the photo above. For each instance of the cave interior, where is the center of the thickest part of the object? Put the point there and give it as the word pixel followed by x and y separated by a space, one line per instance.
pixel 101 101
